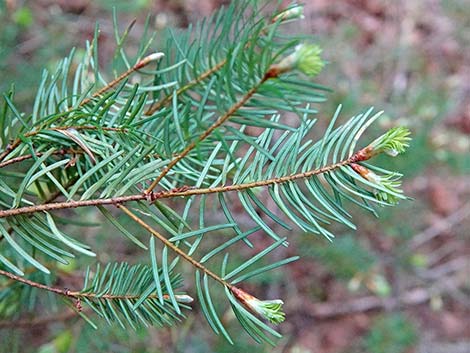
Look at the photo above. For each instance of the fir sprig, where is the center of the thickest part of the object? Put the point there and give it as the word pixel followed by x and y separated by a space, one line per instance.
pixel 268 309
pixel 393 142
pixel 387 186
pixel 184 133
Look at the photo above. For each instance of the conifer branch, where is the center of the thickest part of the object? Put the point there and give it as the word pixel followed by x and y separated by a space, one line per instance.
pixel 139 65
pixel 184 191
pixel 17 142
pixel 157 105
pixel 142 63
pixel 63 129
pixel 296 12
pixel 239 187
pixel 32 283
pixel 174 248
pixel 70 204
pixel 222 119
pixel 78 294
pixel 143 145
pixel 61 152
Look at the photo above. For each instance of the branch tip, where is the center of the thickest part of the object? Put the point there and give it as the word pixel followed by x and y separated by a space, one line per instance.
pixel 267 309
pixel 148 59
pixel 294 12
pixel 393 142
pixel 306 58
pixel 389 184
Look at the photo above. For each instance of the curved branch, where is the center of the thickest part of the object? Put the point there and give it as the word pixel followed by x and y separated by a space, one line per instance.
pixel 145 61
pixel 157 105
pixel 222 119
pixel 76 294
pixel 174 248
pixel 25 157
pixel 51 198
pixel 69 204
pixel 33 284
pixel 17 142
pixel 177 192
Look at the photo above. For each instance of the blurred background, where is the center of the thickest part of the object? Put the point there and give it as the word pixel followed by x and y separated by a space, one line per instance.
pixel 401 283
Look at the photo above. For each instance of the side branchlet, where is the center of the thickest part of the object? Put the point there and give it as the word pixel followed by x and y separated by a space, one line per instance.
pixel 267 309
pixel 393 142
pixel 293 12
pixel 390 182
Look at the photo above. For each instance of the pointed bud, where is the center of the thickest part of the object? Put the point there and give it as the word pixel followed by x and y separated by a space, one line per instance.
pixel 184 298
pixel 180 298
pixel 306 58
pixel 268 309
pixel 292 13
pixel 389 191
pixel 154 56
pixel 148 59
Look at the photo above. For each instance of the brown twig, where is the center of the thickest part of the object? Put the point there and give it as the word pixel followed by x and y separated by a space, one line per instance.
pixel 74 294
pixel 222 119
pixel 238 187
pixel 139 65
pixel 170 193
pixel 174 248
pixel 17 142
pixel 51 198
pixel 69 204
pixel 145 61
pixel 157 105
pixel 447 268
pixel 441 226
pixel 334 309
pixel 25 157
pixel 33 284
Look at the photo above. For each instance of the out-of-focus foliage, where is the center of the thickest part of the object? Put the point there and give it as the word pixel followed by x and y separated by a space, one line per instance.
pixel 391 333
